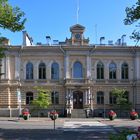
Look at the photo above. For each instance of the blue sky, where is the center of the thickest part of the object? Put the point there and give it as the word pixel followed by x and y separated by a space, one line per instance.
pixel 54 18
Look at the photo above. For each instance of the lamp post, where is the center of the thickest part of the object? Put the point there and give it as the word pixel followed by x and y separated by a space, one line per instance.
pixel 104 109
pixel 54 107
pixel 68 97
pixel 90 112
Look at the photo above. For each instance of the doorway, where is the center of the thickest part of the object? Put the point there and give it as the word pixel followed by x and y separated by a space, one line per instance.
pixel 77 100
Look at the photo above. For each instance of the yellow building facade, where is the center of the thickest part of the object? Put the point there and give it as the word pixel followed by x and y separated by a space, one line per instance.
pixel 80 75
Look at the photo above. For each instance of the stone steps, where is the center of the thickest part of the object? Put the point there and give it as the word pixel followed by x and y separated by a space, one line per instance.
pixel 78 113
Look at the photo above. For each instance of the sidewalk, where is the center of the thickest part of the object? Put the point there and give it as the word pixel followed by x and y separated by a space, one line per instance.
pixel 68 119
pixel 117 124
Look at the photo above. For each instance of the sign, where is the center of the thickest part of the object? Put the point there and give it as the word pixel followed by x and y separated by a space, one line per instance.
pixel 18 95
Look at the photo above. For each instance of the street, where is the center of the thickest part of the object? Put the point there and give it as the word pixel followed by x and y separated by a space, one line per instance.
pixel 66 129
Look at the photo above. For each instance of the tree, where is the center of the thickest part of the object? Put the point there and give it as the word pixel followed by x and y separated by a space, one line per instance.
pixel 43 100
pixel 11 18
pixel 121 98
pixel 132 16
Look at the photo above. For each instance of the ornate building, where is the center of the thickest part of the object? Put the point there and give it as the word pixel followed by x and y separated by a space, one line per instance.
pixel 79 75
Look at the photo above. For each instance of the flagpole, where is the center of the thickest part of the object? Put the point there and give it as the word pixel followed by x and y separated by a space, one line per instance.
pixel 77 11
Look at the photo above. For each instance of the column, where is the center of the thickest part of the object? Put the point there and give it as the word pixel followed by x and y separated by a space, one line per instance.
pixel 8 68
pixel 17 67
pixel 66 67
pixel 86 97
pixel 3 69
pixel 137 67
pixel 69 102
pixel 106 70
pixel 67 95
pixel 88 66
pixel 36 71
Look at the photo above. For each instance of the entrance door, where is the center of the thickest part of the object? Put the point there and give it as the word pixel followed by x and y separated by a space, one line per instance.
pixel 77 100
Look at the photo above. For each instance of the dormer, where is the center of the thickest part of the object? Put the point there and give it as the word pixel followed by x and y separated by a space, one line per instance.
pixel 77 35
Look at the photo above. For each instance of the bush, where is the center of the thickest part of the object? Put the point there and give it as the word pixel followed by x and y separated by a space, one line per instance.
pixel 122 135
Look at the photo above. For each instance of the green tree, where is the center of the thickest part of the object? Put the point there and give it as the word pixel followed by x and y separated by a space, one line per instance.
pixel 121 98
pixel 43 100
pixel 132 16
pixel 11 18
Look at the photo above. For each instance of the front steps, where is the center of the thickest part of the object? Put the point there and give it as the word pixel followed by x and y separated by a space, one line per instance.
pixel 78 113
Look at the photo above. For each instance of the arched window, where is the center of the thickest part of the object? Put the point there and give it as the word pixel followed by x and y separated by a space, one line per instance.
pixel 100 97
pixel 29 98
pixel 55 71
pixel 42 71
pixel 112 71
pixel 100 70
pixel 29 71
pixel 55 97
pixel 77 70
pixel 124 71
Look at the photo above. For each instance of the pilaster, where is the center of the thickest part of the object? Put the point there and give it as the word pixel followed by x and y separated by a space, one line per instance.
pixel 88 66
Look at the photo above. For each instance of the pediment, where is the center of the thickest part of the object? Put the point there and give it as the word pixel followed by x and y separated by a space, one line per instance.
pixel 77 27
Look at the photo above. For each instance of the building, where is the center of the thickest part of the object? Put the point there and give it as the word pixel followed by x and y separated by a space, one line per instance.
pixel 80 75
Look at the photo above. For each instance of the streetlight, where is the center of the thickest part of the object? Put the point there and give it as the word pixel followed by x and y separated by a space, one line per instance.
pixel 68 104
pixel 90 112
pixel 54 95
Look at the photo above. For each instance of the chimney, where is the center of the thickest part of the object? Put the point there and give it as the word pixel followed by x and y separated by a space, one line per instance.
pixel 27 41
pixel 48 39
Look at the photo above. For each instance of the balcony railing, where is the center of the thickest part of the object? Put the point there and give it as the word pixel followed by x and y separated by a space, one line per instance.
pixel 77 81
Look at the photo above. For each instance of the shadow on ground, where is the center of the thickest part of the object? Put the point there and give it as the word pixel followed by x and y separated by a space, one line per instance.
pixel 47 134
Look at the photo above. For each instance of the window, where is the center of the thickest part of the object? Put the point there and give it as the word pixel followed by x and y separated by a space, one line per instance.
pixel 124 71
pixel 100 97
pixel 112 98
pixel 29 71
pixel 77 70
pixel 29 98
pixel 100 70
pixel 55 97
pixel 112 71
pixel 55 71
pixel 42 71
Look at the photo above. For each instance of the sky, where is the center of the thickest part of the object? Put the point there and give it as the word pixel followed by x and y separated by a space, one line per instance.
pixel 101 18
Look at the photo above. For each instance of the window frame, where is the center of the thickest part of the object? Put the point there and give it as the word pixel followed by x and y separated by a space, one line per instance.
pixel 55 97
pixel 124 71
pixel 100 97
pixel 29 71
pixel 29 98
pixel 112 98
pixel 42 71
pixel 100 70
pixel 77 70
pixel 112 71
pixel 55 71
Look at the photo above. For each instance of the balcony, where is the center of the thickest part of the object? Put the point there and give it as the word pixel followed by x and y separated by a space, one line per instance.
pixel 78 82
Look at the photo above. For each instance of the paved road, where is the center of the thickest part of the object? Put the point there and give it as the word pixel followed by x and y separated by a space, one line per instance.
pixel 66 129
